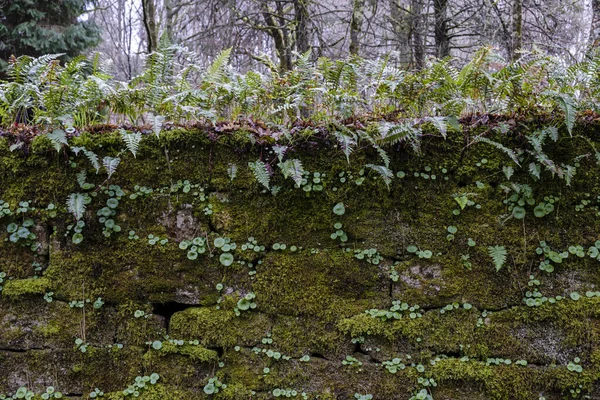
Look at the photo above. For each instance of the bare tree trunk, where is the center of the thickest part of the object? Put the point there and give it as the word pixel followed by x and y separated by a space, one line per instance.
pixel 442 40
pixel 401 28
pixel 517 23
pixel 150 25
pixel 594 40
pixel 358 13
pixel 417 33
pixel 170 15
pixel 279 34
pixel 302 18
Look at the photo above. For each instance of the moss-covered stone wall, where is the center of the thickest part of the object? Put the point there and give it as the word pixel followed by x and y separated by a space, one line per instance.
pixel 410 300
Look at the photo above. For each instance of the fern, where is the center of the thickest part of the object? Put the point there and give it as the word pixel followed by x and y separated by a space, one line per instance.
pixel 58 139
pixel 567 105
pixel 81 177
pixel 294 169
pixel 91 156
pixel 157 122
pixel 385 172
pixel 76 205
pixel 259 169
pixel 132 140
pixel 498 255
pixel 347 141
pixel 232 172
pixel 440 124
pixel 111 164
pixel 216 70
pixel 280 151
pixel 509 152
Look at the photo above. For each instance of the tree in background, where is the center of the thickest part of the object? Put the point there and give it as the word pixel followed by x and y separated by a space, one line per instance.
pixel 36 27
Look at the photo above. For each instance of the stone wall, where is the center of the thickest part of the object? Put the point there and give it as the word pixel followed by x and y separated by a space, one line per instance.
pixel 97 314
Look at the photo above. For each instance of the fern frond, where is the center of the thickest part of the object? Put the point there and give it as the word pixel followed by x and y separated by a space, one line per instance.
pixel 385 172
pixel 132 140
pixel 111 164
pixel 76 205
pixel 232 172
pixel 294 169
pixel 509 152
pixel 347 141
pixel 498 255
pixel 215 72
pixel 280 151
pixel 81 177
pixel 259 169
pixel 58 139
pixel 567 105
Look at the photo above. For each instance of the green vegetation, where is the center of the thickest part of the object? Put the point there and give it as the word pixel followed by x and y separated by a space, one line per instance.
pixel 388 247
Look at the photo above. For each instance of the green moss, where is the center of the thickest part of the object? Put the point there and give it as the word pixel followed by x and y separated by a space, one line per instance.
pixel 195 353
pixel 219 328
pixel 17 288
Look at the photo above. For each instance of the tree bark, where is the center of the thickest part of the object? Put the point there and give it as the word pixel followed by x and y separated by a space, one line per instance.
pixel 279 34
pixel 517 23
pixel 442 41
pixel 150 25
pixel 417 33
pixel 358 12
pixel 593 48
pixel 301 32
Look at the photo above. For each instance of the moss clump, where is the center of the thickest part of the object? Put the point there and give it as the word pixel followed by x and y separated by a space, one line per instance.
pixel 17 288
pixel 194 352
pixel 219 328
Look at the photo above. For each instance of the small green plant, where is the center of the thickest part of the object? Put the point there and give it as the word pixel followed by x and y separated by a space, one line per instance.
pixel 152 240
pixel 2 279
pixel 194 247
pixel 359 396
pixel 394 365
pixel 422 394
pixel 418 252
pixel 21 234
pixel 396 311
pixel 371 256
pixel 245 303
pixel 498 256
pixel 550 255
pixel 213 386
pixel 140 384
pixel 351 361
pixel 339 233
pixel 574 365
pixel 51 393
pixel 96 393
pixel 80 345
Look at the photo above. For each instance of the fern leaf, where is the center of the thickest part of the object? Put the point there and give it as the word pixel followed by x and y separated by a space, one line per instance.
pixel 567 105
pixel 440 124
pixel 259 169
pixel 58 138
pixel 384 171
pixel 132 140
pixel 509 152
pixel 157 122
pixel 294 169
pixel 280 151
pixel 346 143
pixel 232 172
pixel 93 158
pixel 111 164
pixel 498 255
pixel 215 71
pixel 76 205
pixel 81 176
